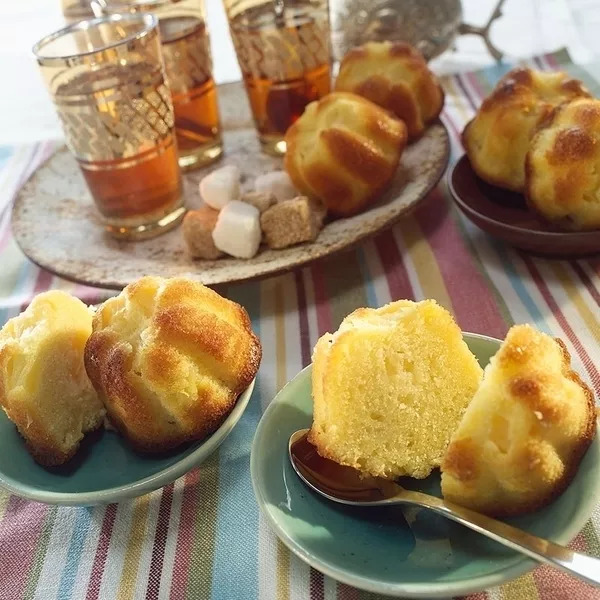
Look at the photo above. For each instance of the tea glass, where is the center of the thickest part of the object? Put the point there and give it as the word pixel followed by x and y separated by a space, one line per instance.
pixel 107 81
pixel 188 66
pixel 283 49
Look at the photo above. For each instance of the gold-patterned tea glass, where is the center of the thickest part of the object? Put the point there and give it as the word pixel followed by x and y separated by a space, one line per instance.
pixel 188 64
pixel 107 82
pixel 283 49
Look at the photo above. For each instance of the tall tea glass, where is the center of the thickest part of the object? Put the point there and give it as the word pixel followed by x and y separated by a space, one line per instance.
pixel 283 49
pixel 107 82
pixel 188 66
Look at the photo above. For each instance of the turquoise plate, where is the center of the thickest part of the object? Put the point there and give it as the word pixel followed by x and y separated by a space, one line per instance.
pixel 105 468
pixel 401 552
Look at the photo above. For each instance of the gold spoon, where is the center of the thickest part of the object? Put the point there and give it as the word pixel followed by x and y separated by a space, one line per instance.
pixel 348 486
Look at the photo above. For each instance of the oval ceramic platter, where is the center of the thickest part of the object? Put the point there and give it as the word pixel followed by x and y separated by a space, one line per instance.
pixel 505 215
pixel 56 225
pixel 105 468
pixel 406 552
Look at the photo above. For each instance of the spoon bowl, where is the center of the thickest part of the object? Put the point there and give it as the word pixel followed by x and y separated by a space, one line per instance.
pixel 346 485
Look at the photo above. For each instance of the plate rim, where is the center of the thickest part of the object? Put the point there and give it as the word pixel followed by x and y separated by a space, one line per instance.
pixel 195 267
pixel 146 484
pixel 469 210
pixel 412 590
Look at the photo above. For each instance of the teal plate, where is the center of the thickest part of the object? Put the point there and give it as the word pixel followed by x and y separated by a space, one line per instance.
pixel 402 552
pixel 105 468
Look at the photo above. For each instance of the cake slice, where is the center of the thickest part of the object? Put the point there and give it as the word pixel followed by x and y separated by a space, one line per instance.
pixel 44 388
pixel 521 440
pixel 390 387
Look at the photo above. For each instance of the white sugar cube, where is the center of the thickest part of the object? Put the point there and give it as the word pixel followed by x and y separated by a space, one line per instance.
pixel 221 186
pixel 277 183
pixel 237 231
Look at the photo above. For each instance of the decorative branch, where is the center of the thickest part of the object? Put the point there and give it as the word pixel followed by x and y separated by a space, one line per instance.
pixel 484 31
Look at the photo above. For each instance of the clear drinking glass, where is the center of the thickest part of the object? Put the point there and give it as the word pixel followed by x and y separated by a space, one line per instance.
pixel 107 82
pixel 188 65
pixel 283 49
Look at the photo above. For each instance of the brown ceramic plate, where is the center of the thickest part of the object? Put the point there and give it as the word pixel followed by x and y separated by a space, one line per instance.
pixel 505 216
pixel 56 225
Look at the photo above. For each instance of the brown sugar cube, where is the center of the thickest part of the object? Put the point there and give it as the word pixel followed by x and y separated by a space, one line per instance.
pixel 198 226
pixel 292 222
pixel 261 200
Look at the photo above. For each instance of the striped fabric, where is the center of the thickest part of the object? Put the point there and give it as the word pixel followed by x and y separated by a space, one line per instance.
pixel 202 536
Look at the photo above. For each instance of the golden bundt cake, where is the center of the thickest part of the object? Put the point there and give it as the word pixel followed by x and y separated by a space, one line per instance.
pixel 395 76
pixel 390 387
pixel 44 388
pixel 169 357
pixel 521 439
pixel 344 150
pixel 498 138
pixel 563 166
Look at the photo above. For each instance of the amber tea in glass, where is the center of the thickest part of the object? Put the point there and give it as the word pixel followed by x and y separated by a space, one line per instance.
pixel 188 66
pixel 107 82
pixel 283 49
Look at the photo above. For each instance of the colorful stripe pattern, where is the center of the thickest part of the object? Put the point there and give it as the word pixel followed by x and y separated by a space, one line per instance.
pixel 202 536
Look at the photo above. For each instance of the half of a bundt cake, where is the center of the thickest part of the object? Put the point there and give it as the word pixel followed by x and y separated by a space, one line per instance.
pixel 497 138
pixel 390 387
pixel 522 437
pixel 169 358
pixel 44 388
pixel 563 167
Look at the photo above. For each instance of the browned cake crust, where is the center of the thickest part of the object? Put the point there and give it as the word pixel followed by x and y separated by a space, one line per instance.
pixel 395 76
pixel 497 138
pixel 169 357
pixel 543 456
pixel 562 166
pixel 344 150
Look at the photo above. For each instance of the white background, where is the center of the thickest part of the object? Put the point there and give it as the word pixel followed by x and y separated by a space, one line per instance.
pixel 527 27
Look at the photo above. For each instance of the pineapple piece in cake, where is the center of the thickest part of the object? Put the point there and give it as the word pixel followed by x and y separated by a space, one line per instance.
pixel 521 439
pixel 390 387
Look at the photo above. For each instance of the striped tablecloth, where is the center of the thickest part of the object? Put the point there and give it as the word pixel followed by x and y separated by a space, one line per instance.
pixel 202 536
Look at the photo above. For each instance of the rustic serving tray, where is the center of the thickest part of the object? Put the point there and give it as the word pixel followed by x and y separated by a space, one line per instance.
pixel 57 226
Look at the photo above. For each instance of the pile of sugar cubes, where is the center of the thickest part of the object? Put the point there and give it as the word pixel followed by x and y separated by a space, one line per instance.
pixel 235 223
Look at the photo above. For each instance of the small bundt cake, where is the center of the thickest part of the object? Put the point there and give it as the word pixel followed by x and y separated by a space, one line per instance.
pixel 44 388
pixel 497 139
pixel 344 150
pixel 169 357
pixel 523 435
pixel 563 166
pixel 390 387
pixel 395 76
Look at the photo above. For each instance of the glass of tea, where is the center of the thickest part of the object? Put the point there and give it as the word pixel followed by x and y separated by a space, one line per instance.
pixel 283 49
pixel 188 65
pixel 107 82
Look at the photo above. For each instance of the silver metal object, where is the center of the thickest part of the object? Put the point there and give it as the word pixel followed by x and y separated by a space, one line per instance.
pixel 429 25
pixel 347 486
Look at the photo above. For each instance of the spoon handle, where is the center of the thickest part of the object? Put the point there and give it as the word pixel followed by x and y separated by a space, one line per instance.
pixel 581 565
